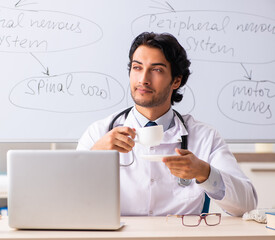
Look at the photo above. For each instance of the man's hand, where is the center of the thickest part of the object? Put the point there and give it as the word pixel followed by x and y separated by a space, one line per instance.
pixel 187 166
pixel 119 138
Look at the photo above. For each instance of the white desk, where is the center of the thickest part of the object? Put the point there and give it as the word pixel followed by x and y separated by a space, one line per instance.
pixel 153 228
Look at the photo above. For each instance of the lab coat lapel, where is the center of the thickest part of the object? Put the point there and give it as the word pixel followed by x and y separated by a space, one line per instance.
pixel 173 135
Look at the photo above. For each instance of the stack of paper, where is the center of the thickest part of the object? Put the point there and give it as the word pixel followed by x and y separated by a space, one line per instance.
pixel 270 220
pixel 3 186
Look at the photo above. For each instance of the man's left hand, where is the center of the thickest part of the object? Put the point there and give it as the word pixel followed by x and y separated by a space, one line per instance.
pixel 186 165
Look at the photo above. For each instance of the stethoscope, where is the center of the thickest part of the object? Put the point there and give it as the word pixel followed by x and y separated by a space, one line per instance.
pixel 184 142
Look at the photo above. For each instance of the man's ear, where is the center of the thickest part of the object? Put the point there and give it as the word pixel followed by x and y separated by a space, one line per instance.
pixel 177 82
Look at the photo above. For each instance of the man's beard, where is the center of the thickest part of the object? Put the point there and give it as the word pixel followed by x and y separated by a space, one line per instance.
pixel 155 101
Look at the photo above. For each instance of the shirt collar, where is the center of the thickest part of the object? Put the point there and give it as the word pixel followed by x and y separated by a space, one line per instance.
pixel 165 120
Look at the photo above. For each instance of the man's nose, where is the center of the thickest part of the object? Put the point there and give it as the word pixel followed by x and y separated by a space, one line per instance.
pixel 145 78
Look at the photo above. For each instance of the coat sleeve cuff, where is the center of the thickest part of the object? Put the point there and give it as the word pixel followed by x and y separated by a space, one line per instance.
pixel 214 185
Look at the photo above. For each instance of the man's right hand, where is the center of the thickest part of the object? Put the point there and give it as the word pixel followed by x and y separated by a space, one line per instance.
pixel 119 138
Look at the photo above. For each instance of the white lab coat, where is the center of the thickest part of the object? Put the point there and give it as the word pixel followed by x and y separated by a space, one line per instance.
pixel 148 188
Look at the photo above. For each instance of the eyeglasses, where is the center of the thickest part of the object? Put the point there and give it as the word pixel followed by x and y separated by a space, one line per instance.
pixel 211 219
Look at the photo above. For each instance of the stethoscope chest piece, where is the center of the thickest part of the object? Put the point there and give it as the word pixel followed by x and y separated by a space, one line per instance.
pixel 184 182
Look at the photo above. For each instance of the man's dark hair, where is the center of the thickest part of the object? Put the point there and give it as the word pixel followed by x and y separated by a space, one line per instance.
pixel 173 52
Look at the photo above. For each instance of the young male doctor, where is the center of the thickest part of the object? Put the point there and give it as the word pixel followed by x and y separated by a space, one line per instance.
pixel 158 68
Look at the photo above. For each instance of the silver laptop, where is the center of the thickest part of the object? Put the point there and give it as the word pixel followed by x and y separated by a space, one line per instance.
pixel 63 189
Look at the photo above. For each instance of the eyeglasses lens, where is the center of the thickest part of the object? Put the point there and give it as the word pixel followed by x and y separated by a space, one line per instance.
pixel 191 220
pixel 212 219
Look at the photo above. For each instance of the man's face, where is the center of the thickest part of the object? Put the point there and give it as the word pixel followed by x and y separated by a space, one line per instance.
pixel 150 78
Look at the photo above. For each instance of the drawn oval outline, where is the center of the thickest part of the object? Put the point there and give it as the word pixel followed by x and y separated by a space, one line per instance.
pixel 209 11
pixel 95 25
pixel 225 113
pixel 114 103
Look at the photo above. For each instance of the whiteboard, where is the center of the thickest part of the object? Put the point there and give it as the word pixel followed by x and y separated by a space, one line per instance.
pixel 64 64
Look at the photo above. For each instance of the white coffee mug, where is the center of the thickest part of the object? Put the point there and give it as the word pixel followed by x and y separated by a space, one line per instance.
pixel 149 136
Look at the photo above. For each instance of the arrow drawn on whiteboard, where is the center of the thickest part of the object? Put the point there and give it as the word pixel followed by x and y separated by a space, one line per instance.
pixel 22 3
pixel 163 6
pixel 248 74
pixel 46 70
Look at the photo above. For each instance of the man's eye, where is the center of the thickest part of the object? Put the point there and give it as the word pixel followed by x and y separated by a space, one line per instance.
pixel 157 70
pixel 136 67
